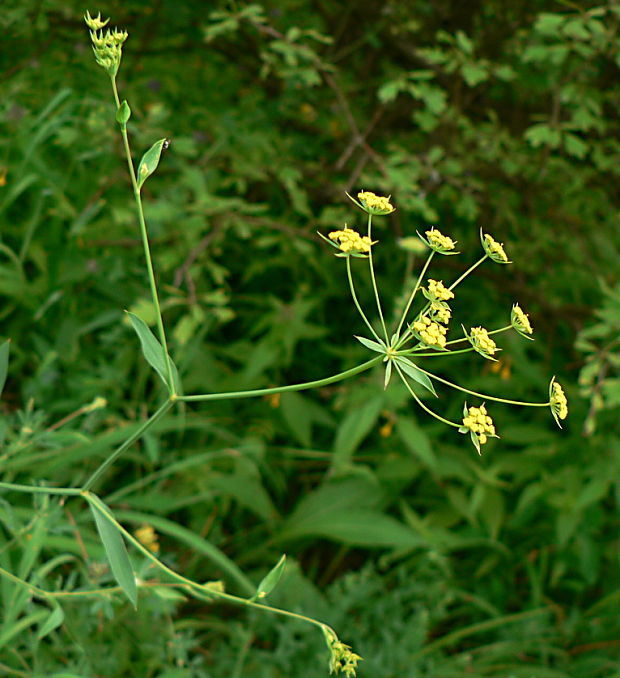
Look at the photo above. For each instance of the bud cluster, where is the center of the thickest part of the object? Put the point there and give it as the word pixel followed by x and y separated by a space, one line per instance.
pixel 481 342
pixel 108 46
pixel 437 291
pixel 494 249
pixel 438 241
pixel 558 401
pixel 520 321
pixel 479 424
pixel 376 205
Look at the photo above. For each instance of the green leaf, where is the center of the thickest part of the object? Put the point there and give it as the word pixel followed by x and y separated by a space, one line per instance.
pixel 149 162
pixel 415 373
pixel 354 428
pixel 153 351
pixel 270 581
pixel 372 345
pixel 56 618
pixel 115 549
pixel 4 362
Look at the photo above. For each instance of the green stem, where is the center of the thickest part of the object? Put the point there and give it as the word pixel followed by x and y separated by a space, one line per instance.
pixel 37 489
pixel 356 302
pixel 467 272
pixel 283 389
pixel 145 245
pixel 117 453
pixel 415 289
pixel 189 583
pixel 374 282
pixel 420 403
pixel 481 395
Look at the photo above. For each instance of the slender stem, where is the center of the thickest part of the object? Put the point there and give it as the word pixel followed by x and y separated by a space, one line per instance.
pixel 283 389
pixel 356 302
pixel 420 403
pixel 146 247
pixel 408 334
pixel 192 585
pixel 374 282
pixel 415 289
pixel 117 453
pixel 481 395
pixel 37 489
pixel 434 354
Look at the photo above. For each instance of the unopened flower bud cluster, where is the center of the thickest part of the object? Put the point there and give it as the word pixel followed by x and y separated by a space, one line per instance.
pixel 520 320
pixel 106 46
pixel 558 401
pixel 494 249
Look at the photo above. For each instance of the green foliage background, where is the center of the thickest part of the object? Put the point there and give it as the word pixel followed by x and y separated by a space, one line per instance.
pixel 429 560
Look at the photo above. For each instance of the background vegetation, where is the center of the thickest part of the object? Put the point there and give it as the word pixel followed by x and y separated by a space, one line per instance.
pixel 429 560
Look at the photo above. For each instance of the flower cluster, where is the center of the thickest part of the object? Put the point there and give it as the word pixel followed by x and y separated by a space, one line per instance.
pixel 147 536
pixel 557 401
pixel 107 46
pixel 437 291
pixel 432 334
pixel 440 312
pixel 351 241
pixel 342 659
pixel 479 424
pixel 481 342
pixel 376 205
pixel 520 321
pixel 494 249
pixel 439 242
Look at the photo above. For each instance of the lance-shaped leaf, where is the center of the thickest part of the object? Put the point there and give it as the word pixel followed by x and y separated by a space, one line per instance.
pixel 271 580
pixel 149 162
pixel 153 351
pixel 115 550
pixel 4 362
pixel 372 345
pixel 415 373
pixel 55 619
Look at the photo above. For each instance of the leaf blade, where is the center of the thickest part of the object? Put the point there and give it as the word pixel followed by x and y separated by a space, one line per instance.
pixel 115 550
pixel 411 370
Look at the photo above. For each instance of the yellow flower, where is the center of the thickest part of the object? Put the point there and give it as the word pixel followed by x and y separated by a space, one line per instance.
pixel 557 401
pixel 440 312
pixel 481 342
pixel 480 425
pixel 520 321
pixel 147 536
pixel 438 292
pixel 432 334
pixel 375 204
pixel 351 241
pixel 439 242
pixel 494 249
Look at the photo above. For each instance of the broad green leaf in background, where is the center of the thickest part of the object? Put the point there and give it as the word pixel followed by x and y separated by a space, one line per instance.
pixel 56 618
pixel 4 362
pixel 153 351
pixel 149 162
pixel 116 550
pixel 354 428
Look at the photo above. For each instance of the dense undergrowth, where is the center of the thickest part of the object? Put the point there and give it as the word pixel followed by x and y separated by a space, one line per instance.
pixel 429 560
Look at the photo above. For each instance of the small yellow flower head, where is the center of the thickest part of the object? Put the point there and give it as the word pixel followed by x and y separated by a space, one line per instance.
pixel 439 242
pixel 147 536
pixel 440 312
pixel 481 342
pixel 94 23
pixel 376 205
pixel 520 321
pixel 351 242
pixel 432 334
pixel 494 249
pixel 479 424
pixel 557 402
pixel 437 291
